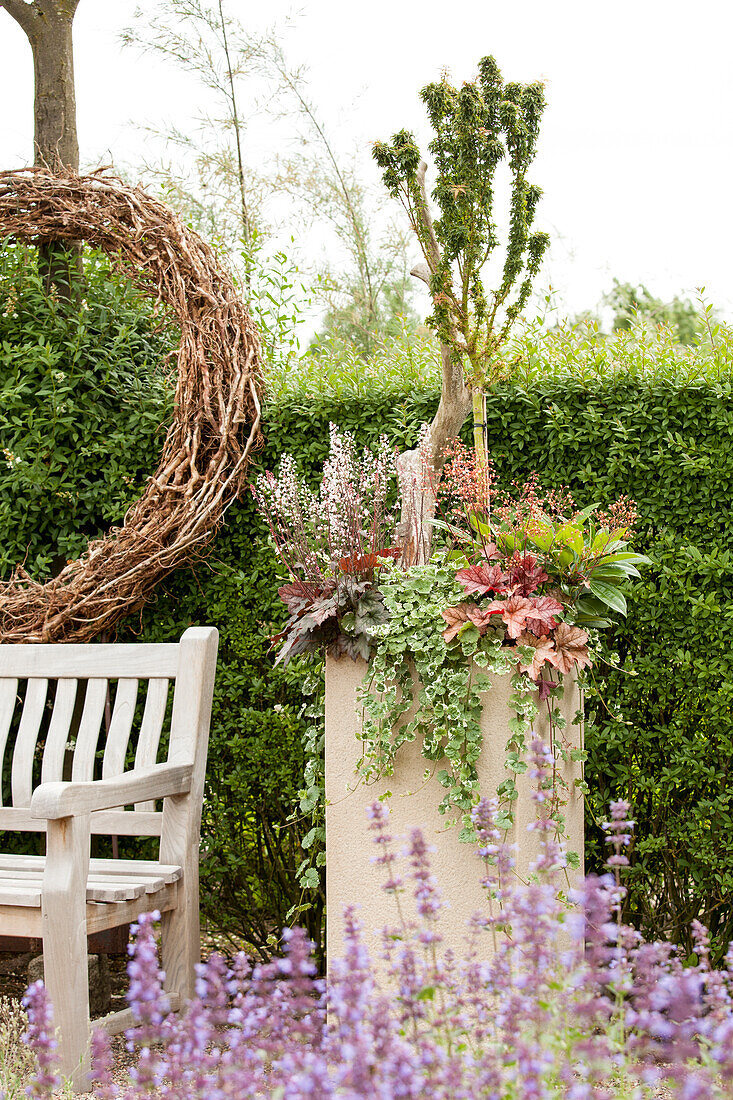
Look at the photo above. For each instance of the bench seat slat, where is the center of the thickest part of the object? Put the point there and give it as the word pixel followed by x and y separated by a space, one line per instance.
pixel 20 892
pixel 127 868
pixel 21 880
pixel 99 887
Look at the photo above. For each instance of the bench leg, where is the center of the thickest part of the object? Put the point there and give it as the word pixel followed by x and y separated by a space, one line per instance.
pixel 65 942
pixel 181 938
pixel 180 931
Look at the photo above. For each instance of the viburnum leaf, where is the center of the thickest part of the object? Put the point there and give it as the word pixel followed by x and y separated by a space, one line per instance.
pixel 525 574
pixel 457 617
pixel 482 579
pixel 570 648
pixel 542 619
pixel 541 650
pixel 514 612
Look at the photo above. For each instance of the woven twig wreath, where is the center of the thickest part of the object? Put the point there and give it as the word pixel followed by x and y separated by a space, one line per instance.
pixel 217 411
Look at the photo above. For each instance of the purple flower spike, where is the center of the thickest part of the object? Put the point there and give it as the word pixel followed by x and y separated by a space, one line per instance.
pixel 41 1037
pixel 523 1013
pixel 378 817
pixel 101 1075
pixel 427 895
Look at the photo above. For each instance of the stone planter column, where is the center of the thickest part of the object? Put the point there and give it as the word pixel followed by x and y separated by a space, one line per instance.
pixel 352 877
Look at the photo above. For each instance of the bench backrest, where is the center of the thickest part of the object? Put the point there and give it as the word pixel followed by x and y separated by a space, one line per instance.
pixel 83 712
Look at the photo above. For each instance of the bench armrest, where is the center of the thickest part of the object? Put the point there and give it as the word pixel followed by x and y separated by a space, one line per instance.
pixel 56 800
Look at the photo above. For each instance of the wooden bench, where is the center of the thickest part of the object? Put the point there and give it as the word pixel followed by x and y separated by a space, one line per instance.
pixel 55 732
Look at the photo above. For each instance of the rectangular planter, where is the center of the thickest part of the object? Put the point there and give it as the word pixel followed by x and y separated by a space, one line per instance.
pixel 351 875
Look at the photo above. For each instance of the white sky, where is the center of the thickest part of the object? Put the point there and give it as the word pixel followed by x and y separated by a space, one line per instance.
pixel 637 142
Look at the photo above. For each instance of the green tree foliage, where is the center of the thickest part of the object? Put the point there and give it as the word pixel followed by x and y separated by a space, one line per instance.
pixel 79 381
pixel 350 325
pixel 636 305
pixel 477 127
pixel 86 399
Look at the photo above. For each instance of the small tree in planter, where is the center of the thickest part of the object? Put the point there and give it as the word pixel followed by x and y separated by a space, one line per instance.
pixel 477 127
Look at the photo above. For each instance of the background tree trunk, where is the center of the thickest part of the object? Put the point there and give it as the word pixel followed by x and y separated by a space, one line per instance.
pixel 55 140
pixel 48 25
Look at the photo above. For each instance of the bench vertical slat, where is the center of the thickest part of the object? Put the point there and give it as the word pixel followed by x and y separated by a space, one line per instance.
pixel 150 730
pixel 52 769
pixel 82 770
pixel 25 745
pixel 118 735
pixel 8 699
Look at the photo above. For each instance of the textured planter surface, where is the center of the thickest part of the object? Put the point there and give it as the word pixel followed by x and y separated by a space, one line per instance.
pixel 352 877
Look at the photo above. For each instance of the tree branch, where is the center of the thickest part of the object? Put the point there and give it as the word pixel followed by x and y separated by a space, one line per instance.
pixel 54 9
pixel 26 15
pixel 455 397
pixel 431 247
pixel 454 407
pixel 246 228
pixel 420 271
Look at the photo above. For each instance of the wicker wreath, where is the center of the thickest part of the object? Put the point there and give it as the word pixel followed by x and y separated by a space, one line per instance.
pixel 217 409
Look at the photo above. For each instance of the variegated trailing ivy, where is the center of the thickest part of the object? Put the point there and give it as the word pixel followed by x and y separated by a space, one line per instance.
pixel 412 664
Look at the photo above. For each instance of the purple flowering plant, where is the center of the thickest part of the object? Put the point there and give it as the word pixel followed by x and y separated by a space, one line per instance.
pixel 333 543
pixel 550 998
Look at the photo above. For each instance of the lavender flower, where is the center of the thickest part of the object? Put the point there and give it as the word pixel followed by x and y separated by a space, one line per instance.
pixel 525 1015
pixel 101 1075
pixel 149 1004
pixel 378 816
pixel 41 1037
pixel 618 834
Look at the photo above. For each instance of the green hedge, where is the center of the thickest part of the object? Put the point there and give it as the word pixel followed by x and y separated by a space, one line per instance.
pixel 663 737
pixel 77 383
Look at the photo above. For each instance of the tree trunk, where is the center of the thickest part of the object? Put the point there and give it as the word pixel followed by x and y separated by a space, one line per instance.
pixel 55 140
pixel 48 25
pixel 418 470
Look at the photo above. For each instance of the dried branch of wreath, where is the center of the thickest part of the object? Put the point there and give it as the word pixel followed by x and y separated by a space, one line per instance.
pixel 216 412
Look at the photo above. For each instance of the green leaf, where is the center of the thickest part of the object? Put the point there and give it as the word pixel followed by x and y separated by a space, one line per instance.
pixel 608 595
